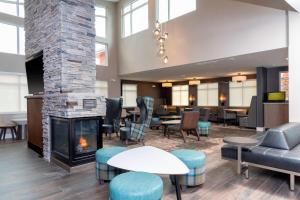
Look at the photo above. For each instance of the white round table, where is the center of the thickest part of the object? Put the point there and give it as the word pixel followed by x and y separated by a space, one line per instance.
pixel 151 160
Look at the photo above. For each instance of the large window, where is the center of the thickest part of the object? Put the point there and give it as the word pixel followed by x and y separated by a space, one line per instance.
pixel 208 94
pixel 129 94
pixel 100 21
pixel 13 89
pixel 170 9
pixel 12 7
pixel 180 95
pixel 101 54
pixel 134 17
pixel 240 93
pixel 12 39
pixel 101 88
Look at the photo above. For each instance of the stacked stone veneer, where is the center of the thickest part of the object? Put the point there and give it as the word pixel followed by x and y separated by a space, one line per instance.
pixel 64 31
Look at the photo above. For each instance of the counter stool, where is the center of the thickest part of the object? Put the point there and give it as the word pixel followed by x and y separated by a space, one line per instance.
pixel 105 172
pixel 195 161
pixel 136 186
pixel 204 127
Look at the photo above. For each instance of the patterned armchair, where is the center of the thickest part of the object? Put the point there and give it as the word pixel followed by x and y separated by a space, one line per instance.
pixel 136 131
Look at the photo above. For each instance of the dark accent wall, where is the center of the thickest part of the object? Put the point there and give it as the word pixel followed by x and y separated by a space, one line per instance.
pixel 163 96
pixel 151 89
pixel 267 81
pixel 261 78
pixel 273 75
pixel 224 91
pixel 193 94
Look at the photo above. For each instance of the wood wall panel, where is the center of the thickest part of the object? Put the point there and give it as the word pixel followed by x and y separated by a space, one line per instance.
pixel 34 122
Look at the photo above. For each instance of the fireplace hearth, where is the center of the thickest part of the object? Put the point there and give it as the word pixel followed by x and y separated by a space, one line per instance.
pixel 75 140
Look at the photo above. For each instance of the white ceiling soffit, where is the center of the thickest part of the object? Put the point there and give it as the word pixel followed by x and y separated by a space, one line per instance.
pixel 295 4
pixel 277 4
pixel 245 64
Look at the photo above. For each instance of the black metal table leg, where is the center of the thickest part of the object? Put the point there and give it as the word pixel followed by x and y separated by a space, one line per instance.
pixel 177 187
pixel 1 133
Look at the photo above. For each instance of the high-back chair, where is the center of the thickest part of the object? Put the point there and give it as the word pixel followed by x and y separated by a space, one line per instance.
pixel 113 116
pixel 136 131
pixel 189 123
pixel 250 120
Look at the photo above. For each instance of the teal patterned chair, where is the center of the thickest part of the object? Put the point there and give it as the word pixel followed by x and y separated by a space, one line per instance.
pixel 105 172
pixel 135 131
pixel 136 186
pixel 195 161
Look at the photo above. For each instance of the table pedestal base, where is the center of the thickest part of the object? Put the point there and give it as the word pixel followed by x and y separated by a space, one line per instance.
pixel 177 187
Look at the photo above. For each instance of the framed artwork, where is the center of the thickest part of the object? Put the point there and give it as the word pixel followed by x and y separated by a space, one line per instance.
pixel 284 83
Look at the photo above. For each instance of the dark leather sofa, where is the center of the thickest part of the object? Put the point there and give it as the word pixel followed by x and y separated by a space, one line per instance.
pixel 278 150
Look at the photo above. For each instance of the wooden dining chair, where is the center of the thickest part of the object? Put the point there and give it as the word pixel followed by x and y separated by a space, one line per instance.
pixel 189 124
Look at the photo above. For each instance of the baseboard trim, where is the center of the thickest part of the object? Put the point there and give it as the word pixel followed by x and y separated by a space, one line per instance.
pixel 73 169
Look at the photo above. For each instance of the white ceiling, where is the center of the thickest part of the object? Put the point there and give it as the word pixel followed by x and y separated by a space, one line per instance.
pixel 245 64
pixel 278 4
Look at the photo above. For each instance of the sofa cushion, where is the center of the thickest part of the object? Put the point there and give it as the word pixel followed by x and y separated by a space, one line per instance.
pixel 271 157
pixel 284 137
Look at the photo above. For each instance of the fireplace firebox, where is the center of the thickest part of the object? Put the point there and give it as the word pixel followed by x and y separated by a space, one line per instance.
pixel 75 140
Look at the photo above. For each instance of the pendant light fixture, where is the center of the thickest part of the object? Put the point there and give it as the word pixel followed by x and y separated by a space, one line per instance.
pixel 161 37
pixel 166 84
pixel 239 78
pixel 194 81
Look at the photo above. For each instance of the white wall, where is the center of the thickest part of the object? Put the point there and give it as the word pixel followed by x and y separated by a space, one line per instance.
pixel 294 66
pixel 110 73
pixel 12 63
pixel 218 29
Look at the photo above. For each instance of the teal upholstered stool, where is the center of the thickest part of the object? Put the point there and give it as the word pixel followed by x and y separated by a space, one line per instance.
pixel 195 161
pixel 204 127
pixel 103 171
pixel 136 186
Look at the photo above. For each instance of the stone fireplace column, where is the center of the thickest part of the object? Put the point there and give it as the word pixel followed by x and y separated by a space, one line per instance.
pixel 64 30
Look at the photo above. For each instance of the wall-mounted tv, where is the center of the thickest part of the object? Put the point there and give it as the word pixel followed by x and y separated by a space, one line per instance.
pixel 276 97
pixel 35 74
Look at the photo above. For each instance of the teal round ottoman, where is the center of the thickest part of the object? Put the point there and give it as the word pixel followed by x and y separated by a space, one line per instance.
pixel 105 172
pixel 195 161
pixel 136 186
pixel 204 127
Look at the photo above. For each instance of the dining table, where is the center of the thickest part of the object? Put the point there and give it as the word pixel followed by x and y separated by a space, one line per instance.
pixel 168 123
pixel 134 113
pixel 170 117
pixel 153 160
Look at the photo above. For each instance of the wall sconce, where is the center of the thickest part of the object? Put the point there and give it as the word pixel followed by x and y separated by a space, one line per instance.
pixel 222 99
pixel 192 99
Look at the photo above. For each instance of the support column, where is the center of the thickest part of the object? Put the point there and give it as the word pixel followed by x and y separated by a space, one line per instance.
pixel 294 66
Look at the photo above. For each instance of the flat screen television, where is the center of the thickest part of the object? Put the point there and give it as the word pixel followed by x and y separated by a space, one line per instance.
pixel 35 74
pixel 276 97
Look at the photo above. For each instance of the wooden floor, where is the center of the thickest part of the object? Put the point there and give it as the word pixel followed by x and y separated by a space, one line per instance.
pixel 23 175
